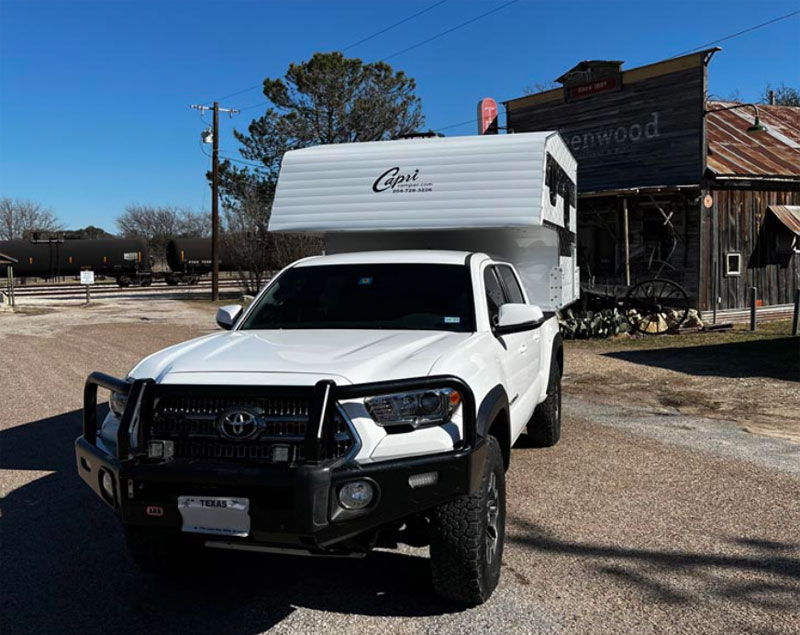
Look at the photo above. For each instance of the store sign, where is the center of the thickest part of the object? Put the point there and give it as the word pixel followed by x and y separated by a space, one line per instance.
pixel 487 116
pixel 592 88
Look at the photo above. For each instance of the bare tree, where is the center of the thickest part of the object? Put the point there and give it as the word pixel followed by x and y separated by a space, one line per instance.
pixel 157 225
pixel 20 218
pixel 539 87
pixel 782 95
pixel 253 249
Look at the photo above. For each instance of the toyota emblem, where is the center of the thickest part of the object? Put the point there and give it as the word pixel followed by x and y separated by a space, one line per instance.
pixel 238 424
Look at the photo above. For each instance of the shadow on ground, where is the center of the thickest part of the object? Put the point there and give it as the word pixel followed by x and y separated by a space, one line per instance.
pixel 763 573
pixel 64 567
pixel 775 358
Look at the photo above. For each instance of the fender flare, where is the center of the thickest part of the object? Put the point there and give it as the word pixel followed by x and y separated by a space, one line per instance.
pixel 557 351
pixel 495 404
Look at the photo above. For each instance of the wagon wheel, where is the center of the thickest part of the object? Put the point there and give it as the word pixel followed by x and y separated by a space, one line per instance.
pixel 656 306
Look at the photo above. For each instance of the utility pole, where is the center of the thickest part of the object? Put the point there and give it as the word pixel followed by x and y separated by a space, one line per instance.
pixel 215 195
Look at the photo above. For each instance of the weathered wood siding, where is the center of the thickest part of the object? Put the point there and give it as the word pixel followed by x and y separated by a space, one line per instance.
pixel 650 133
pixel 601 235
pixel 741 227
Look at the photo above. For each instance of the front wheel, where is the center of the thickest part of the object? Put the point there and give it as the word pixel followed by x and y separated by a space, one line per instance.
pixel 467 537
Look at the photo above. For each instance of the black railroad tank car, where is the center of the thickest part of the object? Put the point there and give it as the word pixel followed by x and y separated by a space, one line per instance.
pixel 126 260
pixel 192 257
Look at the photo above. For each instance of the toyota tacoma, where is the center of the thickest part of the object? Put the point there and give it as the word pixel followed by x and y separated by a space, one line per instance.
pixel 360 401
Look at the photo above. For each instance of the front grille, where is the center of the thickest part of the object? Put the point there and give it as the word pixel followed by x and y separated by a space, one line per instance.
pixel 192 424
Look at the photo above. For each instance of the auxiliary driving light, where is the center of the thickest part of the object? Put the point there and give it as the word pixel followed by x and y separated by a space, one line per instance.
pixel 280 453
pixel 356 494
pixel 423 480
pixel 160 449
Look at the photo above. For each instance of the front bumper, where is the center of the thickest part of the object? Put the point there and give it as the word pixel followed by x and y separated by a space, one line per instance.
pixel 294 507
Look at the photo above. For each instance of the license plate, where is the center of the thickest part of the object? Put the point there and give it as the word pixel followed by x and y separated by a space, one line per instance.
pixel 219 515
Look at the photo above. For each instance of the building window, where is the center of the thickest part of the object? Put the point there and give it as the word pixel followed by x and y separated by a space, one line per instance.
pixel 733 264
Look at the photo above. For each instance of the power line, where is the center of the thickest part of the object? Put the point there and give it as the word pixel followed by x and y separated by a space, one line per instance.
pixel 349 46
pixel 448 31
pixel 733 35
pixel 455 125
pixel 253 106
pixel 390 27
pixel 230 158
pixel 239 92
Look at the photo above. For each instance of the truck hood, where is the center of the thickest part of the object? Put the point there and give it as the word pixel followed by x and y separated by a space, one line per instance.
pixel 299 357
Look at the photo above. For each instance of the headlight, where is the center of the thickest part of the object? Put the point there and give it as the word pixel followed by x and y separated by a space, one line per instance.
pixel 117 402
pixel 416 408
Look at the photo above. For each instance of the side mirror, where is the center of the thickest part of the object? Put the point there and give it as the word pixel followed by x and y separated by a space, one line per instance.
pixel 515 318
pixel 227 315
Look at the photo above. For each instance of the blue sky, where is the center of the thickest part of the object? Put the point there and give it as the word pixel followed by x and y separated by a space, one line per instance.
pixel 94 96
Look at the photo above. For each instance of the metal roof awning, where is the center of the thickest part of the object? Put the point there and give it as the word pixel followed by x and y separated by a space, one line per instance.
pixel 789 215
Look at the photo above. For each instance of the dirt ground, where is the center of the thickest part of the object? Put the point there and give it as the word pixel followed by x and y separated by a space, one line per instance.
pixel 604 534
pixel 751 378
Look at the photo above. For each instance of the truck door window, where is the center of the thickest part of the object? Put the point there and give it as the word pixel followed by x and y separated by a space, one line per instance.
pixel 494 294
pixel 511 284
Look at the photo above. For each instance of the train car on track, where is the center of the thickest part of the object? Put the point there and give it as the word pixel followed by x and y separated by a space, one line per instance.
pixel 125 260
pixel 190 258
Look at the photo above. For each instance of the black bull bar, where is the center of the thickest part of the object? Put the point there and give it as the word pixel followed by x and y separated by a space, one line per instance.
pixel 309 484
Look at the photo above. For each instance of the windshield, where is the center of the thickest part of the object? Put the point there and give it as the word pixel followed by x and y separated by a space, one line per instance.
pixel 371 296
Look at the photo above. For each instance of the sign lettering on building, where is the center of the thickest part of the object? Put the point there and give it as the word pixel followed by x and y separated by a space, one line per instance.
pixel 646 130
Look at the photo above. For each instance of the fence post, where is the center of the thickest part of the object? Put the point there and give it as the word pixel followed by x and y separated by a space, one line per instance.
pixel 753 293
pixel 796 316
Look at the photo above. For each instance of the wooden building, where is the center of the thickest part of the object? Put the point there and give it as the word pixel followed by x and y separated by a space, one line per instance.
pixel 674 185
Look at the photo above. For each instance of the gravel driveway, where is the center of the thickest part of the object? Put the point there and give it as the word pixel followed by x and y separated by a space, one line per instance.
pixel 626 526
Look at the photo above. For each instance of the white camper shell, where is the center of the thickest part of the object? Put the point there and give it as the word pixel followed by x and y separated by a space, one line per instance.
pixel 510 196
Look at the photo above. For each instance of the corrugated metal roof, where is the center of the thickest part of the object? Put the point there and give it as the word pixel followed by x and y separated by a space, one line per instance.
pixel 789 215
pixel 732 151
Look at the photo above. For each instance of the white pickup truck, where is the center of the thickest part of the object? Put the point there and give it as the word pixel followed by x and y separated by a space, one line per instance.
pixel 363 399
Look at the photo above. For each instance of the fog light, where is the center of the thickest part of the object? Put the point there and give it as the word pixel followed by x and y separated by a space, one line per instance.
pixel 422 480
pixel 160 449
pixel 356 494
pixel 107 483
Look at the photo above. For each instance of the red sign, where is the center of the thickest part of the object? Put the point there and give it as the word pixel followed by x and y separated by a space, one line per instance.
pixel 487 116
pixel 597 86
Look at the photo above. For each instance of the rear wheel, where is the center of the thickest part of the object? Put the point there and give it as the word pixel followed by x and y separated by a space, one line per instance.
pixel 544 428
pixel 467 537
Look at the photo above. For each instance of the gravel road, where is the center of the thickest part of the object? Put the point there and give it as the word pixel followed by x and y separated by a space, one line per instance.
pixel 627 526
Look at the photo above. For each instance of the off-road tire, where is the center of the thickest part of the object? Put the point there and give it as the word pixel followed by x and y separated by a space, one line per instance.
pixel 464 568
pixel 544 428
pixel 158 552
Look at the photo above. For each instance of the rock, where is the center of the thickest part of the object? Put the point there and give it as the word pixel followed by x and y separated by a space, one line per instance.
pixel 692 320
